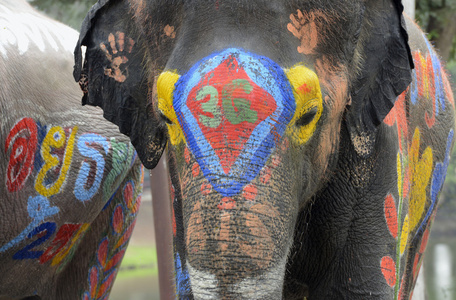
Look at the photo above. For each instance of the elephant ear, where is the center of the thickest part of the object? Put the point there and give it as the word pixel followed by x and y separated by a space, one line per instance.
pixel 113 76
pixel 386 66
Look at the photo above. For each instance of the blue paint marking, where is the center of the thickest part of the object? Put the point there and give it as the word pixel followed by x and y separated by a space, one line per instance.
pixel 267 75
pixel 438 82
pixel 86 147
pixel 414 87
pixel 182 277
pixel 26 253
pixel 438 178
pixel 38 209
pixel 42 131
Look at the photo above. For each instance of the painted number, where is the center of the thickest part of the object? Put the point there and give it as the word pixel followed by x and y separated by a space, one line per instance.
pixel 54 142
pixel 22 140
pixel 235 110
pixel 64 240
pixel 91 173
pixel 44 232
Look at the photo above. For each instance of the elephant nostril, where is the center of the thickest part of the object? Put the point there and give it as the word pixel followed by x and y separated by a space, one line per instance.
pixel 307 117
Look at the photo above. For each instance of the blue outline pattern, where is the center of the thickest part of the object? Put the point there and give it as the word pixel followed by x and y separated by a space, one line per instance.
pixel 270 77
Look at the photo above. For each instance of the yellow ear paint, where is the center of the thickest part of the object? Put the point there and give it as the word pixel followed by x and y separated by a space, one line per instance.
pixel 306 90
pixel 165 90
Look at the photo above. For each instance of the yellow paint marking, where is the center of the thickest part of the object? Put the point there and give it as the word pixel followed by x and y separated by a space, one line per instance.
pixel 404 234
pixel 165 89
pixel 55 139
pixel 60 256
pixel 306 90
pixel 421 170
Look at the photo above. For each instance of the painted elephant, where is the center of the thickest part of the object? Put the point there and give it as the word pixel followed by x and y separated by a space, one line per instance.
pixel 70 182
pixel 307 141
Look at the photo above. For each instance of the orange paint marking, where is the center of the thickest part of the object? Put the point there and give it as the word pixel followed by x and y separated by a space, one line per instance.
pixel 304 27
pixel 169 31
pixel 206 189
pixel 227 203
pixel 195 170
pixel 117 45
pixel 250 192
pixel 389 270
pixel 391 215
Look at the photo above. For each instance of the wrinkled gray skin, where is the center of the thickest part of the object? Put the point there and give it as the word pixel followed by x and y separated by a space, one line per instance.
pixel 48 243
pixel 335 206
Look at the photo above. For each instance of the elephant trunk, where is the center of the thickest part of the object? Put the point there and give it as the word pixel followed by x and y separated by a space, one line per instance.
pixel 237 246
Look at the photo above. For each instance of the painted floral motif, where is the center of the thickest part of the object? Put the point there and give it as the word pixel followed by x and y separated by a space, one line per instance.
pixel 113 246
pixel 419 177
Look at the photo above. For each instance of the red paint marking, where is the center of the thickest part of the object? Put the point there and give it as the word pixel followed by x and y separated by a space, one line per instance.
pixel 227 203
pixel 401 290
pixel 305 88
pixel 206 189
pixel 174 220
pixel 416 266
pixel 424 241
pixel 430 121
pixel 447 87
pixel 250 192
pixel 187 155
pixel 266 175
pixel 391 215
pixel 93 278
pixel 24 138
pixel 195 170
pixel 128 195
pixel 102 253
pixel 229 142
pixel 276 160
pixel 398 115
pixel 389 270
pixel 406 183
pixel 61 239
pixel 285 144
pixel 118 219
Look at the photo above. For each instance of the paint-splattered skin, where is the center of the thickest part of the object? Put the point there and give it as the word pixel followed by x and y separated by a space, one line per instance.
pixel 69 180
pixel 392 196
pixel 284 170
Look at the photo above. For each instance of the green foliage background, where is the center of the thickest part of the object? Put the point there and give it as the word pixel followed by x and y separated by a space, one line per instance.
pixel 70 12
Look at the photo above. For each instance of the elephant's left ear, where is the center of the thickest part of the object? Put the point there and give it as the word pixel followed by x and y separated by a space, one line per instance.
pixel 114 76
pixel 386 68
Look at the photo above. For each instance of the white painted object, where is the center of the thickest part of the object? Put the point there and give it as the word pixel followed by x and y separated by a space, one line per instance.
pixel 24 30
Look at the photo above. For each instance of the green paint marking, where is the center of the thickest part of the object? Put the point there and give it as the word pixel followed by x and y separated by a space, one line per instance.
pixel 238 110
pixel 399 234
pixel 210 106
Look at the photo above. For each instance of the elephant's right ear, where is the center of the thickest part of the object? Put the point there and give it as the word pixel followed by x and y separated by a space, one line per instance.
pixel 386 68
pixel 114 77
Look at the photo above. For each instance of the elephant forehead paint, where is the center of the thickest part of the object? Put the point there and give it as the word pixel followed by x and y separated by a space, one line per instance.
pixel 233 107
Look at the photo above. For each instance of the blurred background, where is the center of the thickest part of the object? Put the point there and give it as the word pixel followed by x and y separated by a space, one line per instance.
pixel 138 279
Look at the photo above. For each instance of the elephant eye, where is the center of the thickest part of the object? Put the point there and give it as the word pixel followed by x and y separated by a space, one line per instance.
pixel 307 117
pixel 165 118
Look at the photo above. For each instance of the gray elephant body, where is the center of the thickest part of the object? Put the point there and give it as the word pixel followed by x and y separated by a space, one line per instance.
pixel 307 140
pixel 70 183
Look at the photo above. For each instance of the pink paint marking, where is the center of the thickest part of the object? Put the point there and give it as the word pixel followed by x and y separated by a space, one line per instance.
pixel 227 203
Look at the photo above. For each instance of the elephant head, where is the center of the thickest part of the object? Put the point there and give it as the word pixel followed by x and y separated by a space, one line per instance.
pixel 253 100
